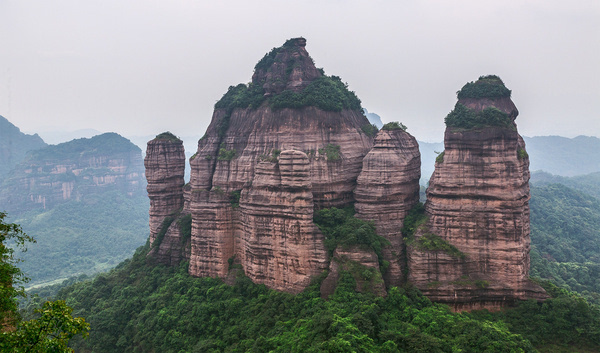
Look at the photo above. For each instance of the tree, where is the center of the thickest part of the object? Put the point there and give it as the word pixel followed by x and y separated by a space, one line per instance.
pixel 54 327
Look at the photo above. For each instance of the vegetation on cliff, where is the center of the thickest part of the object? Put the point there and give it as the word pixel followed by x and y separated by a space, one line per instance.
pixel 327 93
pixel 465 118
pixel 490 86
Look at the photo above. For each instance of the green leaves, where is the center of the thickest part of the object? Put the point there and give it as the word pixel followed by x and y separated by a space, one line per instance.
pixel 465 118
pixel 486 87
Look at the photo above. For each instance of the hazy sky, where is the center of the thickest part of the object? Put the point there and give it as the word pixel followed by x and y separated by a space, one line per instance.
pixel 143 67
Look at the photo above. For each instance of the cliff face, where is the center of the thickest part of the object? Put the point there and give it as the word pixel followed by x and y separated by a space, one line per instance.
pixel 478 206
pixel 165 167
pixel 294 141
pixel 387 188
pixel 72 170
pixel 240 155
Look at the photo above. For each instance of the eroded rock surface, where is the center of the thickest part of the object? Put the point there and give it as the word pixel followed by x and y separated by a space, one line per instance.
pixel 387 188
pixel 478 202
pixel 165 167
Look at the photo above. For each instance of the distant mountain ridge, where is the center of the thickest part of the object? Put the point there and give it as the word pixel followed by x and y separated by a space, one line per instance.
pixel 14 145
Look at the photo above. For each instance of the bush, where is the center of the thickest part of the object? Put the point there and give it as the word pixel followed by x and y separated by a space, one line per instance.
pixel 370 130
pixel 394 125
pixel 331 151
pixel 465 118
pixel 486 87
pixel 167 136
pixel 226 155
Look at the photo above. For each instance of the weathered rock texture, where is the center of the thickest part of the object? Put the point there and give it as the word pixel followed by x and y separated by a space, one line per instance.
pixel 279 243
pixel 273 154
pixel 478 201
pixel 239 151
pixel 165 167
pixel 388 187
pixel 69 171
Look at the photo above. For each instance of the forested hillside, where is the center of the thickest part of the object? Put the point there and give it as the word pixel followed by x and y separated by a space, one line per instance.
pixel 141 307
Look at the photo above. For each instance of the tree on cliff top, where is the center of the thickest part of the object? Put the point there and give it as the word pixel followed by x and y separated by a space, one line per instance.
pixel 55 325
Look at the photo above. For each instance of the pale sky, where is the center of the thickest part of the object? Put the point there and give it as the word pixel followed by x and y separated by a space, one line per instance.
pixel 143 67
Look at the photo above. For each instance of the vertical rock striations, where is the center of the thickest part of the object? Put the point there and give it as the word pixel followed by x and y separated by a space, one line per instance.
pixel 473 251
pixel 282 109
pixel 279 243
pixel 165 167
pixel 387 188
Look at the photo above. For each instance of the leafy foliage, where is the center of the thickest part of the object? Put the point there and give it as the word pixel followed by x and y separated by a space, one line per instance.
pixel 54 327
pixel 331 151
pixel 432 242
pixel 241 96
pixel 158 308
pixel 465 118
pixel 327 93
pixel 490 86
pixel 226 155
pixel 394 125
pixel 167 136
pixel 105 144
pixel 370 130
pixel 341 228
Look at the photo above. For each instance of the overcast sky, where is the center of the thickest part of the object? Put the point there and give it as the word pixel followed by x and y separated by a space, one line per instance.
pixel 143 67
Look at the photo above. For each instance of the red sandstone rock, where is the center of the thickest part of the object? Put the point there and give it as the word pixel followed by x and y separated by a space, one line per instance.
pixel 165 166
pixel 388 187
pixel 478 201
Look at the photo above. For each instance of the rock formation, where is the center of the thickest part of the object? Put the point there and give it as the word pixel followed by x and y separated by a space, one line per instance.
pixel 254 124
pixel 165 167
pixel 69 171
pixel 387 188
pixel 294 141
pixel 473 251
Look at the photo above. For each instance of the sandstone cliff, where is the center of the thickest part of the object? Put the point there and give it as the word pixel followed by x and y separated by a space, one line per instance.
pixel 473 251
pixel 165 167
pixel 281 110
pixel 387 188
pixel 71 170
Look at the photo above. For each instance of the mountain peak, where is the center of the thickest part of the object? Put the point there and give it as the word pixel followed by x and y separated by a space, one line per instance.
pixel 288 67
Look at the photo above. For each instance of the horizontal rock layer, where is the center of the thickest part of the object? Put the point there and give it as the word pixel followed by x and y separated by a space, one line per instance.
pixel 387 188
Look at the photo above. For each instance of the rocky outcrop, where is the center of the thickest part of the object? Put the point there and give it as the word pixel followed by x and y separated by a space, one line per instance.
pixel 279 244
pixel 235 154
pixel 473 251
pixel 69 171
pixel 165 167
pixel 387 188
pixel 286 68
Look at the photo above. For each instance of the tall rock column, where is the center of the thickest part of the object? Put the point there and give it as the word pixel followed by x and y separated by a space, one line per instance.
pixel 473 250
pixel 280 245
pixel 165 167
pixel 388 187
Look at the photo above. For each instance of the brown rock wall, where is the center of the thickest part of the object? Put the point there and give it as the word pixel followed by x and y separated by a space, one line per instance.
pixel 387 188
pixel 165 167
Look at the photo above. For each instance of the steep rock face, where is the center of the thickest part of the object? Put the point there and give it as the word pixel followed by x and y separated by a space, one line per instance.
pixel 165 167
pixel 478 204
pixel 387 188
pixel 70 171
pixel 241 148
pixel 288 69
pixel 279 243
